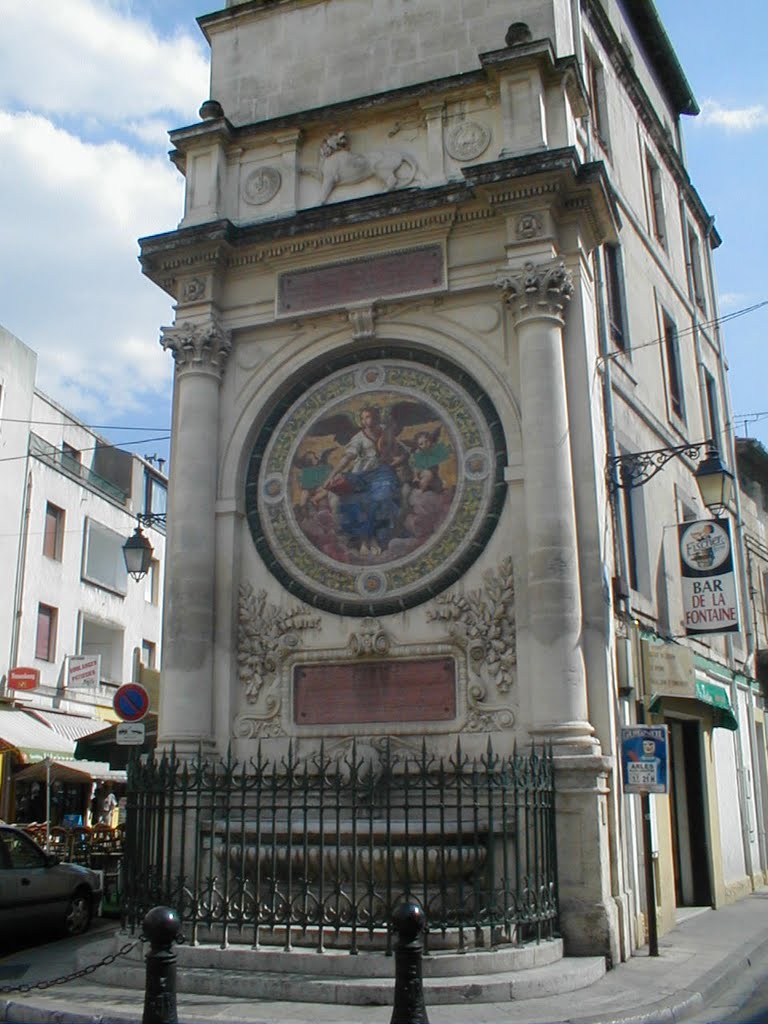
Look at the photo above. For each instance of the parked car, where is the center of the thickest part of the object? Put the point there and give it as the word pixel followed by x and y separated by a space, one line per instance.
pixel 36 891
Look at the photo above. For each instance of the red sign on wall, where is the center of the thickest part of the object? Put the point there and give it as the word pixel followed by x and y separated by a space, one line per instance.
pixel 23 678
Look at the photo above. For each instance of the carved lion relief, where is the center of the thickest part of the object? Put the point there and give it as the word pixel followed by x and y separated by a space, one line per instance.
pixel 338 165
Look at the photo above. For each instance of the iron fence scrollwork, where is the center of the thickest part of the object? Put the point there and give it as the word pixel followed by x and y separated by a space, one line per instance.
pixel 318 851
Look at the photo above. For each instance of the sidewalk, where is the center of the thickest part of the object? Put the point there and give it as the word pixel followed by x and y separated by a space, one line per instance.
pixel 705 954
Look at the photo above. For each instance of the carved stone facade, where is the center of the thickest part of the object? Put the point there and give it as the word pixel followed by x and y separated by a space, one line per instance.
pixel 390 353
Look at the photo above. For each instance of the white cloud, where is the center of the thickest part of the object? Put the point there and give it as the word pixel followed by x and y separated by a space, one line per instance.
pixel 732 300
pixel 72 288
pixel 736 119
pixel 85 57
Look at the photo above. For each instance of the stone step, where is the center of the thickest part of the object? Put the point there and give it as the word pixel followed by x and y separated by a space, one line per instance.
pixel 566 975
pixel 341 964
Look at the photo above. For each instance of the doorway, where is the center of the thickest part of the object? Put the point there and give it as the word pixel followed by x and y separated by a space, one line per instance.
pixel 690 840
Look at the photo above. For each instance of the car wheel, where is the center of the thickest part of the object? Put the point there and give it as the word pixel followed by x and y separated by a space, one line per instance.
pixel 78 915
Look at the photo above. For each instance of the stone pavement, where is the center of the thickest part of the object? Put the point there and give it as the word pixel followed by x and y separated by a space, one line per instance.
pixel 706 953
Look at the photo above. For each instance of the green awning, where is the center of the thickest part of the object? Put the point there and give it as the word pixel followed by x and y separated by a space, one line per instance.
pixel 713 696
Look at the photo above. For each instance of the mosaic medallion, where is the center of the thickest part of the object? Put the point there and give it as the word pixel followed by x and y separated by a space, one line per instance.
pixel 375 487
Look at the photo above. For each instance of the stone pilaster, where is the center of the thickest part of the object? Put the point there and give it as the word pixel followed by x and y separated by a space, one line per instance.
pixel 537 296
pixel 200 351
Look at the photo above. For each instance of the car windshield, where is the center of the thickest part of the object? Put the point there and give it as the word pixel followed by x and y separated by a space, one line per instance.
pixel 21 852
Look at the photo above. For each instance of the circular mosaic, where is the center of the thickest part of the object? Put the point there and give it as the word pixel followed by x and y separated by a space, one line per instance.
pixel 377 486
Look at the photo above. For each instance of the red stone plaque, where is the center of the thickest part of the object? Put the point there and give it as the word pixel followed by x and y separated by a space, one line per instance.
pixel 416 690
pixel 375 277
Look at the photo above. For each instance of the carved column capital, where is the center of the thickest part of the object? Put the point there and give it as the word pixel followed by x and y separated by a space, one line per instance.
pixel 542 290
pixel 204 346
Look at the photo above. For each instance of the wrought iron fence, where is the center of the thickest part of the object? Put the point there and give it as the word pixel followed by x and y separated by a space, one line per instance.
pixel 319 851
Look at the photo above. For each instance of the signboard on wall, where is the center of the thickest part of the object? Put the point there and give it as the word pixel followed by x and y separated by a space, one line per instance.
pixel 710 599
pixel 83 670
pixel 645 758
pixel 23 678
pixel 668 669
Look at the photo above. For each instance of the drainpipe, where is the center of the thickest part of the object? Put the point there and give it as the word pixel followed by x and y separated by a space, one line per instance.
pixel 21 567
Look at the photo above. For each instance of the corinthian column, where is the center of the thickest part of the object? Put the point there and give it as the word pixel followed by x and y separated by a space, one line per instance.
pixel 200 352
pixel 537 297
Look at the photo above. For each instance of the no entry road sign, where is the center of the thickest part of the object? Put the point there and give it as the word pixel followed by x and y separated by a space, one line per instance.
pixel 131 702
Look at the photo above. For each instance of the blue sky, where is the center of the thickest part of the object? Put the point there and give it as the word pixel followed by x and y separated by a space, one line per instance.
pixel 88 90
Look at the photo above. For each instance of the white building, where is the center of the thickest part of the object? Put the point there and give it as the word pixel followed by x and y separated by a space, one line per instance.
pixel 70 501
pixel 494 222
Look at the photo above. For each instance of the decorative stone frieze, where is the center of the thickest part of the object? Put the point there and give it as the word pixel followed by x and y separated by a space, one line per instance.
pixel 198 346
pixel 529 225
pixel 338 165
pixel 537 290
pixel 261 185
pixel 483 623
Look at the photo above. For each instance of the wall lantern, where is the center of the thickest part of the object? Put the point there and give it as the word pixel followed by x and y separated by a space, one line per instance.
pixel 137 551
pixel 716 483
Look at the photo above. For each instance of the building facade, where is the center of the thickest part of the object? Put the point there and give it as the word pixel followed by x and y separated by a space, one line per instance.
pixel 71 616
pixel 436 272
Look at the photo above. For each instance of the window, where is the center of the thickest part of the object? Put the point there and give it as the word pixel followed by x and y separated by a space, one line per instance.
pixel 45 641
pixel 103 562
pixel 148 653
pixel 656 199
pixel 696 280
pixel 53 535
pixel 614 291
pixel 155 495
pixel 595 82
pixel 674 375
pixel 107 640
pixel 152 583
pixel 712 417
pixel 71 458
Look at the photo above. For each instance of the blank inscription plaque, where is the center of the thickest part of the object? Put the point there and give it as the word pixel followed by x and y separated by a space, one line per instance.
pixel 417 690
pixel 371 277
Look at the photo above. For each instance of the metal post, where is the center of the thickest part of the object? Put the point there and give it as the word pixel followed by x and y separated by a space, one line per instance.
pixel 408 920
pixel 650 881
pixel 161 927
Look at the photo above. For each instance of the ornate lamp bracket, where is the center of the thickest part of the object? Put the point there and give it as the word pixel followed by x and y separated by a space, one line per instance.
pixel 633 469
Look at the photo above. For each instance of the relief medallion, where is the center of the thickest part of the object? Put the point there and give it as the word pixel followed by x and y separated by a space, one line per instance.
pixel 375 487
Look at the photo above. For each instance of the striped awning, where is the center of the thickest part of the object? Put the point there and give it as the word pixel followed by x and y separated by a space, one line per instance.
pixel 30 738
pixel 71 727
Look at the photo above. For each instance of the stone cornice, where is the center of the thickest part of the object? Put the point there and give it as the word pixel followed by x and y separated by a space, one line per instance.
pixel 198 346
pixel 555 177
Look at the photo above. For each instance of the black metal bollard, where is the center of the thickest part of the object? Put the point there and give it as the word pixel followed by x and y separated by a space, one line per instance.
pixel 408 920
pixel 161 927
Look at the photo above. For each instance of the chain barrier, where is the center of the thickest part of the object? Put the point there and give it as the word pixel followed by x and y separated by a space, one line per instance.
pixel 83 972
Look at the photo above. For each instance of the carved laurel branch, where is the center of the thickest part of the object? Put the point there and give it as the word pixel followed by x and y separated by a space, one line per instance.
pixel 266 633
pixel 483 622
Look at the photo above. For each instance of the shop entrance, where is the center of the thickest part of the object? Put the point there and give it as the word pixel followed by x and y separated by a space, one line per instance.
pixel 693 885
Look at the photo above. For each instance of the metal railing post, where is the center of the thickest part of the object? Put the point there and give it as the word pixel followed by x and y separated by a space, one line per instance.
pixel 161 927
pixel 408 920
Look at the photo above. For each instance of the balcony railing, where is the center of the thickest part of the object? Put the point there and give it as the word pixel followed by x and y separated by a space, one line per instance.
pixel 68 465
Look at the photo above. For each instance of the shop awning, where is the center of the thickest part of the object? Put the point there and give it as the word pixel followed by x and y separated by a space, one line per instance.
pixel 70 771
pixel 714 696
pixel 30 738
pixel 72 727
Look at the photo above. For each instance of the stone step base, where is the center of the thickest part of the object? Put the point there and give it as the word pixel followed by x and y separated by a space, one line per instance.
pixel 566 975
pixel 340 964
